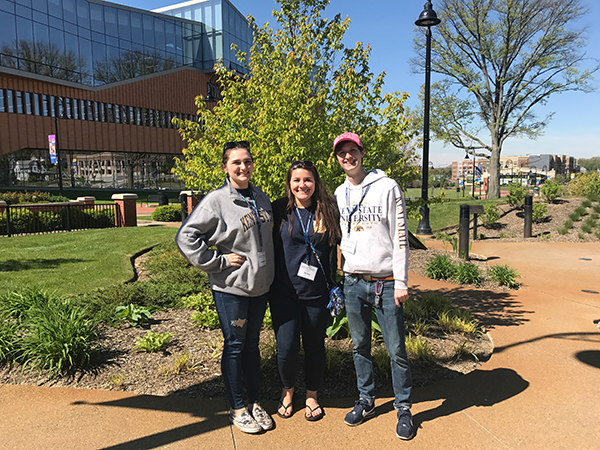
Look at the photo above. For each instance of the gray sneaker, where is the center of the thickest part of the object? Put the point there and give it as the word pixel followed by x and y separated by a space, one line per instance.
pixel 245 422
pixel 262 418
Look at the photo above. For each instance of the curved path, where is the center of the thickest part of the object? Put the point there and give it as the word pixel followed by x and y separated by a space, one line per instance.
pixel 539 390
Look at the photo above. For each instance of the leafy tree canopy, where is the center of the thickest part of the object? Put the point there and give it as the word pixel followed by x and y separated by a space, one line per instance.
pixel 500 59
pixel 590 164
pixel 304 89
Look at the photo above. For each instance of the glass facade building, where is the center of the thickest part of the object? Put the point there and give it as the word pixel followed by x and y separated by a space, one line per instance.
pixel 97 43
pixel 107 80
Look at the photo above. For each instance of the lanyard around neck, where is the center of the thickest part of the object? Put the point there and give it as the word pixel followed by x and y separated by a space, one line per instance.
pixel 305 230
pixel 252 205
pixel 362 197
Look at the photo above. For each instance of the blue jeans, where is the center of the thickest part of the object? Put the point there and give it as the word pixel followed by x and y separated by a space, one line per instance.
pixel 241 321
pixel 360 301
pixel 292 318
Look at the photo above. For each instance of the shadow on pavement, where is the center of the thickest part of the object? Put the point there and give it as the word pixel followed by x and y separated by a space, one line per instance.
pixel 491 308
pixel 478 388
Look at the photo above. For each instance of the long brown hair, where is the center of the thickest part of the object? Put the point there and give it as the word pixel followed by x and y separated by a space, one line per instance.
pixel 326 210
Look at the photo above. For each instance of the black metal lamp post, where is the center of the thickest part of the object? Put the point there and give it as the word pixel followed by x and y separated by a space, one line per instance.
pixel 428 18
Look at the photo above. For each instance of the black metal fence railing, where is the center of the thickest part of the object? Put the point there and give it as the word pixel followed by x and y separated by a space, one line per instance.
pixel 56 217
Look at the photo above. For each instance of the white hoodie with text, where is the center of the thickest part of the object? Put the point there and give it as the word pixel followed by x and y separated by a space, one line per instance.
pixel 374 229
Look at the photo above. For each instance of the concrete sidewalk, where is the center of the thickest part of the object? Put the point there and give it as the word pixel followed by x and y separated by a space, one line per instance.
pixel 540 389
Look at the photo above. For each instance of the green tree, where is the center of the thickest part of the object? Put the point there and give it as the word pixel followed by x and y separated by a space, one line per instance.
pixel 305 88
pixel 500 59
pixel 590 164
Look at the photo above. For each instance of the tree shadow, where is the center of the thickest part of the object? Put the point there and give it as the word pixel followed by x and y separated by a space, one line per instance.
pixel 490 308
pixel 589 357
pixel 14 265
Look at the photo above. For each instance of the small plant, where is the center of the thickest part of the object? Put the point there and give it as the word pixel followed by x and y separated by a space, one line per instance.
pixel 418 349
pixel 215 345
pixel 596 209
pixel 581 210
pixel 586 203
pixel 491 216
pixel 595 215
pixel 337 360
pixel 551 190
pixel 135 315
pixel 502 235
pixel 338 326
pixel 458 321
pixel 591 222
pixel 183 361
pixel 153 342
pixel 467 273
pixel 206 316
pixel 464 349
pixel 538 212
pixel 574 216
pixel 420 327
pixel 562 230
pixel 440 267
pixel 504 275
pixel 597 234
pixel 580 235
pixel 516 195
pixel 118 379
pixel 453 240
pixel 586 228
pixel 568 224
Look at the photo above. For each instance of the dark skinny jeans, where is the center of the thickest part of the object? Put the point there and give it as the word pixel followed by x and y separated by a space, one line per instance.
pixel 241 320
pixel 294 318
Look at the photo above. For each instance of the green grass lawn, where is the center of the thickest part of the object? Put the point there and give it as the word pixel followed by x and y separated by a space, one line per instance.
pixel 77 262
pixel 442 215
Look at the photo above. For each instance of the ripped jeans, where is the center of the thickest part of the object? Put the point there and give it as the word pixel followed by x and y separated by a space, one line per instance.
pixel 241 320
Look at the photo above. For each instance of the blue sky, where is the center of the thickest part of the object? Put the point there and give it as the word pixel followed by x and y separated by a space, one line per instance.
pixel 387 25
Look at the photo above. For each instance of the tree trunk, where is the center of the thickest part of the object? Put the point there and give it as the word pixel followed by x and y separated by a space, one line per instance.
pixel 494 185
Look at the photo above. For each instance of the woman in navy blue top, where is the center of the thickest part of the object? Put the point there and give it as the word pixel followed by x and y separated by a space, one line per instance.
pixel 306 232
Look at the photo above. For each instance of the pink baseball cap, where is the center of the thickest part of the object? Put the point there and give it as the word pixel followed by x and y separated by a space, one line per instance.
pixel 352 137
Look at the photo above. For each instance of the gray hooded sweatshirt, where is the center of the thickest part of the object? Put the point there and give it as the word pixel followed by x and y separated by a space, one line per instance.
pixel 223 222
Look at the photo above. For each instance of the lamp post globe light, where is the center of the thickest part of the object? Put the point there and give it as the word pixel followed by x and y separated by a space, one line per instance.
pixel 428 18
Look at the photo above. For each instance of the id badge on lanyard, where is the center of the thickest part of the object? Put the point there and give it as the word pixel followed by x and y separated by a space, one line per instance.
pixel 306 270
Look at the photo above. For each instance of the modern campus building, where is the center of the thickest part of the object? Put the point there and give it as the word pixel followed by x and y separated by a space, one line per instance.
pixel 106 80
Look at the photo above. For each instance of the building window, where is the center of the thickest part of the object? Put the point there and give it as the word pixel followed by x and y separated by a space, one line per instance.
pixel 19 102
pixel 2 101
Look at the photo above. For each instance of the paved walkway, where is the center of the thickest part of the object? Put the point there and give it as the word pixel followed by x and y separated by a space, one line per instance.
pixel 540 389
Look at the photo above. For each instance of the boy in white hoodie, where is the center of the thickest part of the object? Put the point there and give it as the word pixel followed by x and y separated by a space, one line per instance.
pixel 375 264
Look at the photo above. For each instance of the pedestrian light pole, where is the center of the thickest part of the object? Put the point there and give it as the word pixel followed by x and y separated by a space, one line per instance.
pixel 428 18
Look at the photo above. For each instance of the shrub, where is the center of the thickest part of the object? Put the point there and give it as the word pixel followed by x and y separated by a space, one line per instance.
pixel 22 221
pixel 568 224
pixel 538 213
pixel 153 342
pixel 591 221
pixel 580 235
pixel 468 273
pixel 582 211
pixel 586 228
pixel 562 230
pixel 26 197
pixel 167 213
pixel 551 190
pixel 504 275
pixel 596 209
pixel 491 216
pixel 586 203
pixel 49 220
pixel 516 195
pixel 584 184
pixel 574 216
pixel 440 267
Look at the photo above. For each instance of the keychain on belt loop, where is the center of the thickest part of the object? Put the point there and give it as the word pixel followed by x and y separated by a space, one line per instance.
pixel 378 292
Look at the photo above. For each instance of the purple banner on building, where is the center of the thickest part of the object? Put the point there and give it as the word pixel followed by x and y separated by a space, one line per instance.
pixel 52 147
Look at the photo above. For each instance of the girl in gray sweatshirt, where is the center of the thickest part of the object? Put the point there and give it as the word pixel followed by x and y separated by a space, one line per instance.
pixel 229 236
